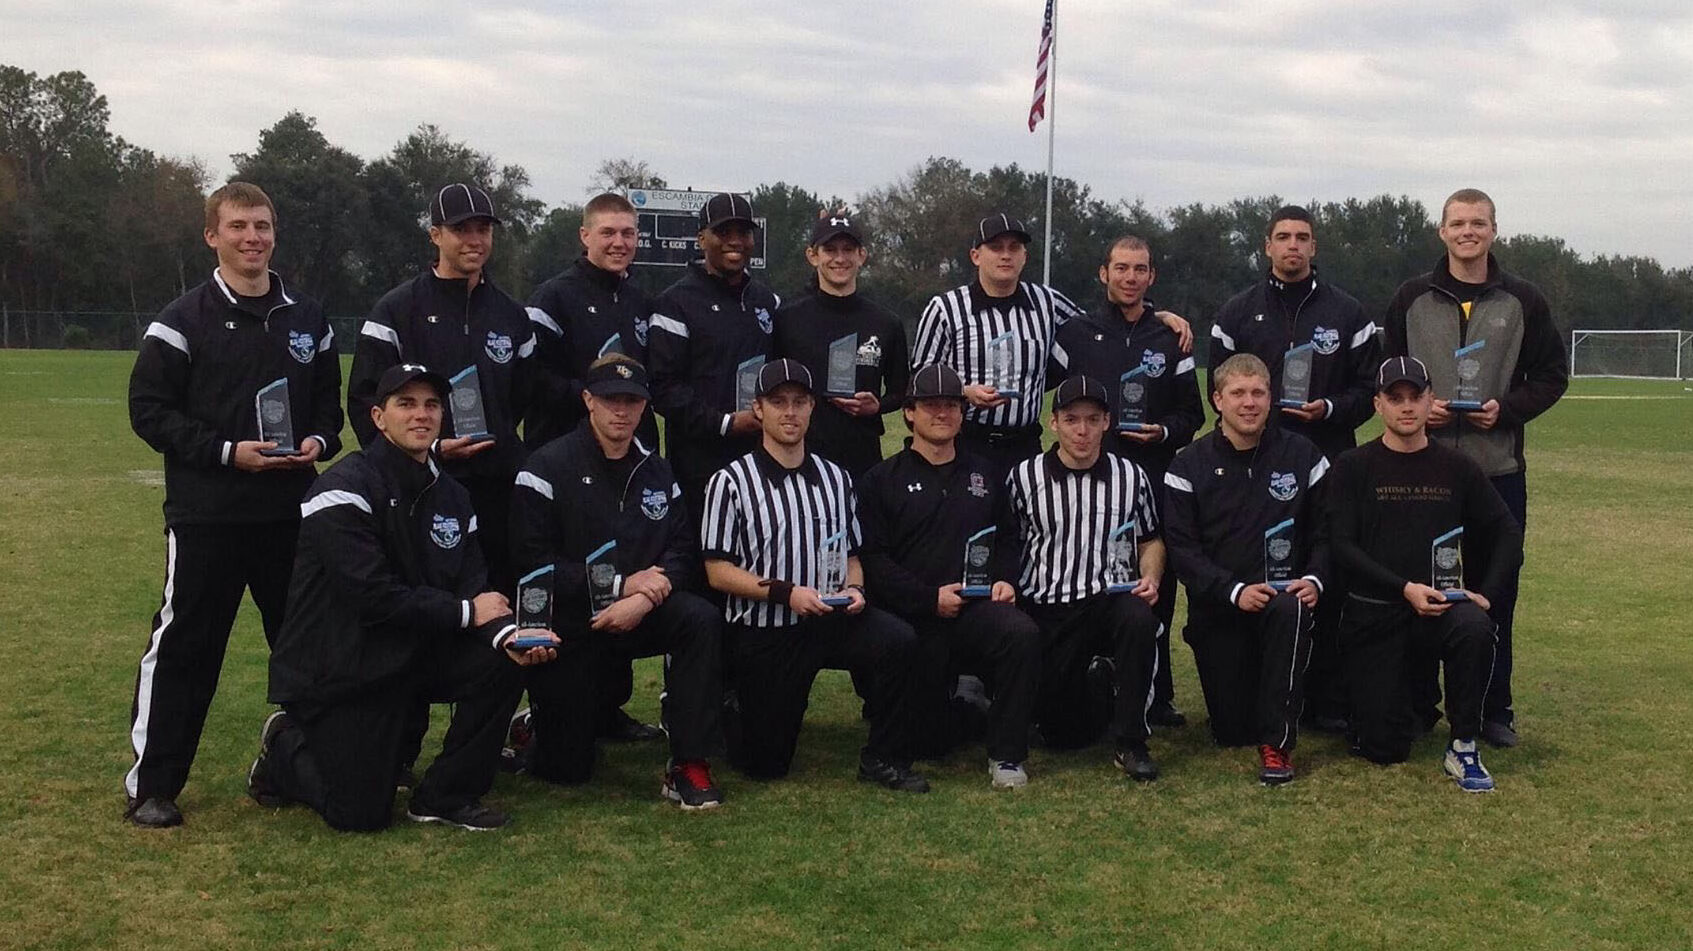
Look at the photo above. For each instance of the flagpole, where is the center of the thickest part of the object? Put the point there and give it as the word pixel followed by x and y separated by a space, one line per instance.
pixel 1051 133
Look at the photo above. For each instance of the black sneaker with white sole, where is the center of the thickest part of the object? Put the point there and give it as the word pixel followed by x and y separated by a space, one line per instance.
pixel 472 815
pixel 259 785
pixel 895 776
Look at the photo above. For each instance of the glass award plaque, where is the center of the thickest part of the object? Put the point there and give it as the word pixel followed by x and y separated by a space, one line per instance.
pixel 1296 375
pixel 1131 400
pixel 602 578
pixel 842 378
pixel 746 382
pixel 276 418
pixel 1278 555
pixel 535 599
pixel 832 570
pixel 470 417
pixel 1000 352
pixel 1469 395
pixel 1120 559
pixel 978 554
pixel 1446 565
pixel 613 344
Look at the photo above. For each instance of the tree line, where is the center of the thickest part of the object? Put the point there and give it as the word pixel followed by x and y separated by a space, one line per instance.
pixel 90 222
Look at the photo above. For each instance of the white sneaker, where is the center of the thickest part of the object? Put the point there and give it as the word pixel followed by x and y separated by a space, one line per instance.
pixel 1463 764
pixel 1007 775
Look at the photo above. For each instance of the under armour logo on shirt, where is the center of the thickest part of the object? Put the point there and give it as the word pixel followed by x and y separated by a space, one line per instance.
pixel 914 487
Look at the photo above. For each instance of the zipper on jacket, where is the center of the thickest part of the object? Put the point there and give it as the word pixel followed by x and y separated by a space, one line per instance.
pixel 623 499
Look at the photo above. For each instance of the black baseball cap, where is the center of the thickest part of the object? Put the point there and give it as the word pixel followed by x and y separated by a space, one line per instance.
pixel 935 380
pixel 993 226
pixel 725 207
pixel 834 225
pixel 397 376
pixel 460 202
pixel 615 377
pixel 1080 387
pixel 777 372
pixel 1401 370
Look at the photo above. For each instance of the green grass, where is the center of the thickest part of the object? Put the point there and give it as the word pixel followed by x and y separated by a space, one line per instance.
pixel 1587 843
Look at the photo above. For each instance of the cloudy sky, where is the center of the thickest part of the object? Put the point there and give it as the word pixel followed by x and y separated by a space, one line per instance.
pixel 1577 117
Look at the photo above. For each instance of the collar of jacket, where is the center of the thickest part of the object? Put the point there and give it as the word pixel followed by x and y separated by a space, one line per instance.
pixel 586 445
pixel 835 302
pixel 456 286
pixel 1056 469
pixel 1108 314
pixel 1266 439
pixel 717 283
pixel 599 276
pixel 981 301
pixel 1277 285
pixel 411 476
pixel 774 471
pixel 1441 277
pixel 236 302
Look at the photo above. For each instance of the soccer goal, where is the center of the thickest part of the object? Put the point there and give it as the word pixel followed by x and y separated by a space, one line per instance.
pixel 1632 354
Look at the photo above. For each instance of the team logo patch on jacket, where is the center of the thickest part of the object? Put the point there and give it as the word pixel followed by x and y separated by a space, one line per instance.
pixel 302 346
pixel 498 347
pixel 655 503
pixel 870 352
pixel 763 316
pixel 444 531
pixel 1326 339
pixel 1284 485
pixel 641 325
pixel 978 485
pixel 1154 362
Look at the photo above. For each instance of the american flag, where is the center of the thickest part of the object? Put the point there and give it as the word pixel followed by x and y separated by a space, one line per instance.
pixel 1043 61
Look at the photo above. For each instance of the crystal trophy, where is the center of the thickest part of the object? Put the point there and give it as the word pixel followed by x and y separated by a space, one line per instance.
pixel 535 598
pixel 1131 402
pixel 276 419
pixel 746 382
pixel 842 378
pixel 1120 559
pixel 613 344
pixel 534 609
pixel 1278 555
pixel 832 570
pixel 1296 375
pixel 1446 565
pixel 602 579
pixel 999 359
pixel 1467 396
pixel 978 552
pixel 470 419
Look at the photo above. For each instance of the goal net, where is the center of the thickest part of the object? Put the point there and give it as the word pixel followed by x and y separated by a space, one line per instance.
pixel 1632 354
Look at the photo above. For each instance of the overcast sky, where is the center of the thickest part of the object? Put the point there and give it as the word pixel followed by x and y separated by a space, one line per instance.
pixel 1577 117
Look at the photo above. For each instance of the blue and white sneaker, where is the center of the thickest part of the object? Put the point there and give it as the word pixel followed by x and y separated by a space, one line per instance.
pixel 1463 764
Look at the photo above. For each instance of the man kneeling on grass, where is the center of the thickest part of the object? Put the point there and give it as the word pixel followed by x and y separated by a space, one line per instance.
pixel 389 607
pixel 1406 516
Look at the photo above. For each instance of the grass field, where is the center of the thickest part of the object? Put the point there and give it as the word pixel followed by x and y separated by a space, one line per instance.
pixel 1587 844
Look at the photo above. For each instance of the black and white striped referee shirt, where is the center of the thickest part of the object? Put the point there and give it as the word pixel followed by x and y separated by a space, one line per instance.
pixel 958 326
pixel 773 521
pixel 1065 518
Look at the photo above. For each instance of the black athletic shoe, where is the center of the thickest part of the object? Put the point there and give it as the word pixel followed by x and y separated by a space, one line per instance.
pixel 624 728
pixel 473 816
pixel 891 775
pixel 690 786
pixel 1499 734
pixel 155 812
pixel 1164 713
pixel 1136 763
pixel 259 786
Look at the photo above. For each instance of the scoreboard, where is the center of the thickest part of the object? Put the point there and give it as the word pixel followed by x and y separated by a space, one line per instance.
pixel 669 225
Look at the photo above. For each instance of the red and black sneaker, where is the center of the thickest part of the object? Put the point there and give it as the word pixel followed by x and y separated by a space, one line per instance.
pixel 690 786
pixel 1274 767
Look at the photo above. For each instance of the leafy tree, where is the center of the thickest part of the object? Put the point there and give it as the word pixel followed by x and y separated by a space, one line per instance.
pixel 617 173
